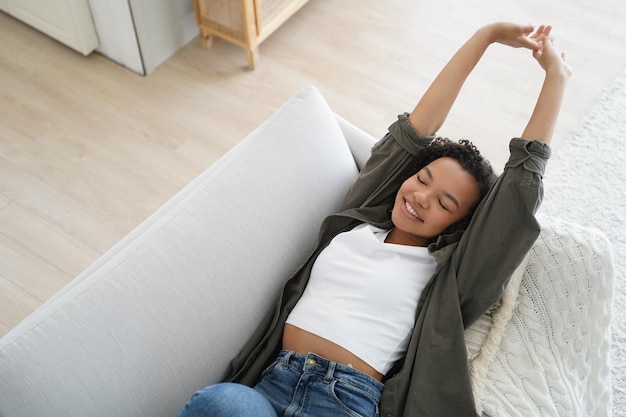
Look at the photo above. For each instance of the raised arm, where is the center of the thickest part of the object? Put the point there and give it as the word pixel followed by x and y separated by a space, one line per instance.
pixel 543 119
pixel 435 104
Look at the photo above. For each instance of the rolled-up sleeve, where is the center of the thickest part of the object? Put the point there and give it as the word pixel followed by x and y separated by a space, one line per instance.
pixel 533 155
pixel 502 230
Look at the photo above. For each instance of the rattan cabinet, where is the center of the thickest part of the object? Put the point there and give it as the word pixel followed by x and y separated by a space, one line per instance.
pixel 244 22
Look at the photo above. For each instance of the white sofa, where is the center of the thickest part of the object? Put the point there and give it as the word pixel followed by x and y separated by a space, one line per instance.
pixel 161 314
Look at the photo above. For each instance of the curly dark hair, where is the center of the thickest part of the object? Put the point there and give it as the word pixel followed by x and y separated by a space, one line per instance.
pixel 469 158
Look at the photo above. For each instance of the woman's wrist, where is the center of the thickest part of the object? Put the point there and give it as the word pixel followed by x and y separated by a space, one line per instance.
pixel 489 33
pixel 499 32
pixel 558 74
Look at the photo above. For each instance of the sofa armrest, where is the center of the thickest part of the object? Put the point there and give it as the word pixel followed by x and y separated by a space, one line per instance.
pixel 359 141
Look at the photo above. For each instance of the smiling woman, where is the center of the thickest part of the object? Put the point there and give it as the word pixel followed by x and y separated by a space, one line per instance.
pixel 378 311
pixel 440 195
pixel 451 180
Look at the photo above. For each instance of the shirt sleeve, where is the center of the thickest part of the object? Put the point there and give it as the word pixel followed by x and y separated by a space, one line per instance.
pixel 502 230
pixel 384 171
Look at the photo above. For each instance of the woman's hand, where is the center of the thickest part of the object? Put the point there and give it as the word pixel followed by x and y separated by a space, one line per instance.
pixel 550 58
pixel 516 36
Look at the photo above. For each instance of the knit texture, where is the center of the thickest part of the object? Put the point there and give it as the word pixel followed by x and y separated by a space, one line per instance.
pixel 552 358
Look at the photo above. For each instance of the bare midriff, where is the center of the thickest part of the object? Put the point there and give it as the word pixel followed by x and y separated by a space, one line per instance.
pixel 303 342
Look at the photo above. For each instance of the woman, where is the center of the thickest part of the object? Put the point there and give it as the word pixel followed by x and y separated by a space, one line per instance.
pixel 372 324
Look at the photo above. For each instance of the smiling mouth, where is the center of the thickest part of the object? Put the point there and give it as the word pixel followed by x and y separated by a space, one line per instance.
pixel 412 211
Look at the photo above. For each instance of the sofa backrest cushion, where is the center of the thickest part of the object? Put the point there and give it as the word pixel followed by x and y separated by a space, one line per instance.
pixel 163 313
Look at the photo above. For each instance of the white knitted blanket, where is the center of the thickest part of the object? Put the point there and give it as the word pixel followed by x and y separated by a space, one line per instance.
pixel 551 358
pixel 586 183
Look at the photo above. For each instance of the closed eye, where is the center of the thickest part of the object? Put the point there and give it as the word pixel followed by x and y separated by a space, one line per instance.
pixel 447 195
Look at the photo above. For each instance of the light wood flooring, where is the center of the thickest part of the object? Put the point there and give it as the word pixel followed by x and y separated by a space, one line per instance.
pixel 89 149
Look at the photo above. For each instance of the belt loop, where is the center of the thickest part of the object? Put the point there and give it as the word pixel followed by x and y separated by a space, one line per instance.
pixel 330 372
pixel 287 357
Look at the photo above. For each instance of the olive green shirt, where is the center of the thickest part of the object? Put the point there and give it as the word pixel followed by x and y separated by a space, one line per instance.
pixel 473 267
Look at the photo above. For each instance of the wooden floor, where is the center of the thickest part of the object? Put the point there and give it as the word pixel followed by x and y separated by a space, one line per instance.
pixel 88 149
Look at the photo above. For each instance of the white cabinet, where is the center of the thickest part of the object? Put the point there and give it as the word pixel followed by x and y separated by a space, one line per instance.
pixel 138 34
pixel 68 21
pixel 142 34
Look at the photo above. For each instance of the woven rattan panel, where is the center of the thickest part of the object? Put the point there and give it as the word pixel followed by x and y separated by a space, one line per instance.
pixel 224 16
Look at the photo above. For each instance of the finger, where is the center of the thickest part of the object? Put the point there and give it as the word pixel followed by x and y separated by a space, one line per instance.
pixel 531 44
pixel 543 30
pixel 538 31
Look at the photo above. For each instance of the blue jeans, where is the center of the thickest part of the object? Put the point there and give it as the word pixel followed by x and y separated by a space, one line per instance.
pixel 294 385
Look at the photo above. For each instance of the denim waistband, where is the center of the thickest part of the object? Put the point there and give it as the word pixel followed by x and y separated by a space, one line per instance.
pixel 331 370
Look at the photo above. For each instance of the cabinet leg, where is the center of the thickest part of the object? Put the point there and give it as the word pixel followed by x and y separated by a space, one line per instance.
pixel 253 56
pixel 206 38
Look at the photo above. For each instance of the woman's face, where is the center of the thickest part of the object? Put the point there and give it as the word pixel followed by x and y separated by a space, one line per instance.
pixel 439 195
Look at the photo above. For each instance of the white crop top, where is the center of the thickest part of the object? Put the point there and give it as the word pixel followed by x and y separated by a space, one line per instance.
pixel 362 295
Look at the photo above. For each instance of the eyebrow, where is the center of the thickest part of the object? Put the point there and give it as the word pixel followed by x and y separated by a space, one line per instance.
pixel 450 196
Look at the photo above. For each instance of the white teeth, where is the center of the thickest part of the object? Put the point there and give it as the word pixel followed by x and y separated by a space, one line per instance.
pixel 411 210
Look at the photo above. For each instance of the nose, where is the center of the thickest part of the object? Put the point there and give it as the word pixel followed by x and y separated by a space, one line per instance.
pixel 421 198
